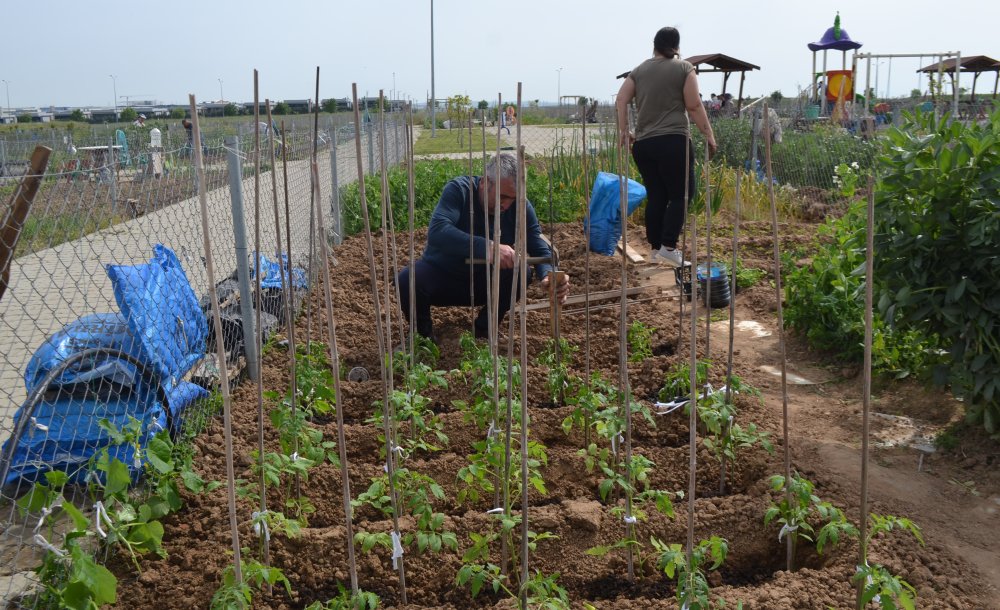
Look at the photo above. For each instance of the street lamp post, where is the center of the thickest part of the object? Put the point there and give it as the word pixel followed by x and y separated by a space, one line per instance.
pixel 222 98
pixel 114 86
pixel 559 89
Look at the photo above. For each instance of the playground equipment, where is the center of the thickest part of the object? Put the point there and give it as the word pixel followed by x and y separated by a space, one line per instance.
pixel 837 39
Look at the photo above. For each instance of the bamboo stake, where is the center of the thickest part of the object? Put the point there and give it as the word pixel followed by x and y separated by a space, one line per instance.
pixel 264 542
pixel 693 419
pixel 790 560
pixel 397 561
pixel 472 232
pixel 623 381
pixel 411 202
pixel 867 384
pixel 523 250
pixel 732 321
pixel 213 295
pixel 708 255
pixel 586 281
pixel 390 235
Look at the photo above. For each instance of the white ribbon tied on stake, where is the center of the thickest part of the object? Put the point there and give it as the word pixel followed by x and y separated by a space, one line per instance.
pixel 46 511
pixel 42 542
pixel 259 523
pixel 786 529
pixel 397 550
pixel 100 513
pixel 630 519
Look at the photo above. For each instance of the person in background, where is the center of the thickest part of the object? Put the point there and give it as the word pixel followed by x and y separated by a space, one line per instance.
pixel 441 275
pixel 140 121
pixel 665 90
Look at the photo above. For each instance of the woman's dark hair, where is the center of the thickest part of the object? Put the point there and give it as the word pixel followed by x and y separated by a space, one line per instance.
pixel 667 41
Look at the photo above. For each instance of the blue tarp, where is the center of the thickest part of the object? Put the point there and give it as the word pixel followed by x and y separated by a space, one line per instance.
pixel 160 325
pixel 605 210
pixel 271 273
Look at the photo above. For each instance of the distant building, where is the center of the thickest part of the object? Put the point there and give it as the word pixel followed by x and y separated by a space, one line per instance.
pixel 300 106
pixel 343 104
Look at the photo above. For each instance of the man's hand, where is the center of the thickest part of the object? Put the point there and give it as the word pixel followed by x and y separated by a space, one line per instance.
pixel 562 290
pixel 508 257
pixel 626 139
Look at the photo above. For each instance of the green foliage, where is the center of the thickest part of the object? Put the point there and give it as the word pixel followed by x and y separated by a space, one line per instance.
pixel 477 368
pixel 177 113
pixel 845 179
pixel 747 277
pixel 727 437
pixel 234 595
pixel 362 600
pixel 230 109
pixel 478 478
pixel 557 363
pixel 937 231
pixel 281 108
pixel 893 591
pixel 692 583
pixel 677 381
pixel 77 115
pixel 479 570
pixel 795 515
pixel 640 344
pixel 128 114
pixel 825 302
pixel 416 495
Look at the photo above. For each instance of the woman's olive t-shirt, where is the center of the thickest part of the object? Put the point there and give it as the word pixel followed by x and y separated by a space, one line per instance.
pixel 659 97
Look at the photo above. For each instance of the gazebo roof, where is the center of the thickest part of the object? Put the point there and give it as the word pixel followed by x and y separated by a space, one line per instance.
pixel 721 63
pixel 973 63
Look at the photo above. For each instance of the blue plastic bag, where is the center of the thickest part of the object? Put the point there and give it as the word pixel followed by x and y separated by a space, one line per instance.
pixel 605 210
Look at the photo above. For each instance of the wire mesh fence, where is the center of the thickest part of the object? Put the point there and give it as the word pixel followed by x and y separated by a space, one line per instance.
pixel 75 346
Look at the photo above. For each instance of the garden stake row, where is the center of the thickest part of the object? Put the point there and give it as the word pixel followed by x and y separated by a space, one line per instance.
pixel 732 322
pixel 693 418
pixel 288 238
pixel 220 353
pixel 694 261
pixel 389 231
pixel 264 543
pixel 380 339
pixel 623 382
pixel 866 388
pixel 493 298
pixel 781 328
pixel 331 327
pixel 385 210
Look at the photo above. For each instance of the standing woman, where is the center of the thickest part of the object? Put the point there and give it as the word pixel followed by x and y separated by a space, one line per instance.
pixel 665 89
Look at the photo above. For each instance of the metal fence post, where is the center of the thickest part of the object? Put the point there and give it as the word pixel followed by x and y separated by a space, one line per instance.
pixel 395 131
pixel 335 218
pixel 371 150
pixel 242 256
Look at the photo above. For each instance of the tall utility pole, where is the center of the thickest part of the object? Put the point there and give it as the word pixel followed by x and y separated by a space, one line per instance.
pixel 114 85
pixel 222 98
pixel 433 100
pixel 393 95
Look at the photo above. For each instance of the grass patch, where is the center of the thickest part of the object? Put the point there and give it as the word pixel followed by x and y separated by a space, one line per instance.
pixel 453 141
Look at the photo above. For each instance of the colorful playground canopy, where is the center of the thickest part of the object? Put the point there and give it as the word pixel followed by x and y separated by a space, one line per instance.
pixel 831 42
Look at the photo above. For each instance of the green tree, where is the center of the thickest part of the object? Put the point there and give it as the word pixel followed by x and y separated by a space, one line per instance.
pixel 24 118
pixel 281 108
pixel 129 114
pixel 483 104
pixel 230 109
pixel 457 107
pixel 329 105
pixel 777 96
pixel 77 115
pixel 177 113
pixel 915 93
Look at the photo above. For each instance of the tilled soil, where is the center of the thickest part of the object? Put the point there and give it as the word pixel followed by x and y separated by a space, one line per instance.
pixel 198 537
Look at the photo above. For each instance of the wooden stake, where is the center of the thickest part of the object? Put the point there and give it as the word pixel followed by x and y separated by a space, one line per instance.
pixel 472 232
pixel 693 363
pixel 623 381
pixel 732 320
pixel 213 295
pixel 708 255
pixel 17 211
pixel 411 203
pixel 766 134
pixel 523 252
pixel 866 390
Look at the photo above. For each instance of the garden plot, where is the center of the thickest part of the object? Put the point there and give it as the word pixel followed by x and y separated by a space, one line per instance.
pixel 577 517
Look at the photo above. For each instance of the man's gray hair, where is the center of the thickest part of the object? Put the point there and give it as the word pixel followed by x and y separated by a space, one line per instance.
pixel 505 164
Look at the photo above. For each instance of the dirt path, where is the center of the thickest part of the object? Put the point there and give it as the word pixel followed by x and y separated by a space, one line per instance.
pixel 953 496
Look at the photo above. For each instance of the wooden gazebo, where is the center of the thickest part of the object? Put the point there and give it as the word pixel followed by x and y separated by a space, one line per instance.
pixel 974 64
pixel 726 65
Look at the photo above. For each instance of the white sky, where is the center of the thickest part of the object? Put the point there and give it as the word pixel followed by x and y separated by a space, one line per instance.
pixel 61 53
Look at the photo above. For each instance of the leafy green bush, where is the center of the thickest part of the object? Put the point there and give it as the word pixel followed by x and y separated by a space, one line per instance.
pixel 825 302
pixel 937 246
